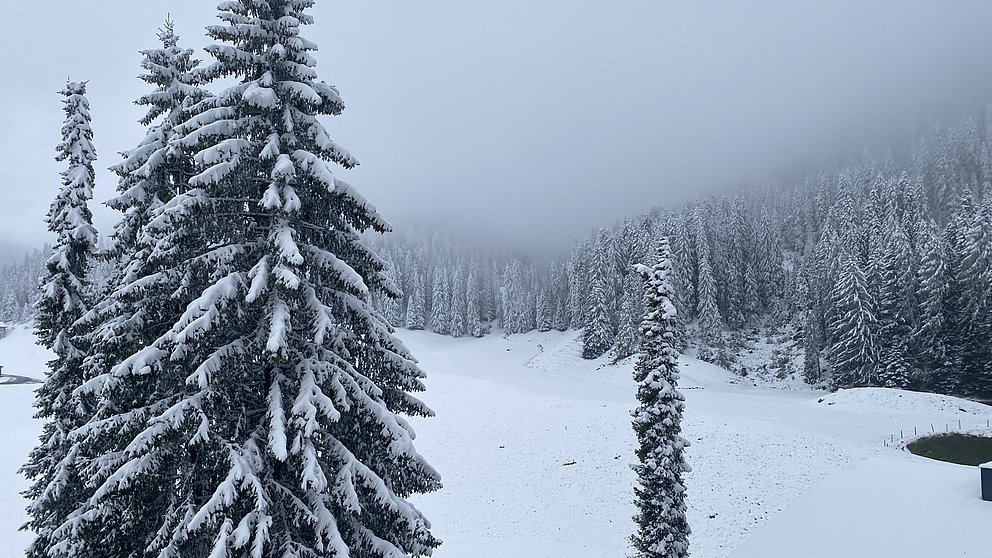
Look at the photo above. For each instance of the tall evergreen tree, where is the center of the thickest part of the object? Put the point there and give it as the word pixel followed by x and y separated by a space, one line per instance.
pixel 9 309
pixel 138 299
pixel 156 170
pixel 812 336
pixel 928 339
pixel 578 280
pixel 662 527
pixel 682 271
pixel 561 291
pixel 706 309
pixel 458 304
pixel 812 372
pixel 415 303
pixel 770 276
pixel 959 296
pixel 264 420
pixel 598 334
pixel 897 306
pixel 440 302
pixel 473 294
pixel 54 466
pixel 975 279
pixel 854 330
pixel 544 315
pixel 518 301
pixel 388 305
pixel 743 296
pixel 628 336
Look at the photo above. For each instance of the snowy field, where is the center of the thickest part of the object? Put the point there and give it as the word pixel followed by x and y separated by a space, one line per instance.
pixel 535 444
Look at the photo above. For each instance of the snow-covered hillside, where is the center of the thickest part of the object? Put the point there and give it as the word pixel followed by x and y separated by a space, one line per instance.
pixel 534 445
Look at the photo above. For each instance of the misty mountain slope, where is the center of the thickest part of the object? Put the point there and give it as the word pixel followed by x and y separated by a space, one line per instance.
pixel 534 446
pixel 865 272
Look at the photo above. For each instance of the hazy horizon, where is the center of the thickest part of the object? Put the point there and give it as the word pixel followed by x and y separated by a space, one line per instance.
pixel 530 122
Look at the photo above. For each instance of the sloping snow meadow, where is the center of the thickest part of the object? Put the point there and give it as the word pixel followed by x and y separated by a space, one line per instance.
pixel 535 443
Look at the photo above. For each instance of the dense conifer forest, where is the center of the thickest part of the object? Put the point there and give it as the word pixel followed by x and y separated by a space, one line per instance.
pixel 875 273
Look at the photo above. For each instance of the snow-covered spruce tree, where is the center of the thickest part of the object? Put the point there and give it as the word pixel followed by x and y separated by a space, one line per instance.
pixel 415 303
pixel 812 373
pixel 138 300
pixel 770 276
pixel 959 297
pixel 896 306
pixel 853 330
pixel 514 299
pixel 560 289
pixel 458 303
pixel 706 309
pixel 662 527
pixel 928 341
pixel 680 278
pixel 628 336
pixel 473 294
pixel 682 269
pixel 544 314
pixel 743 297
pixel 440 302
pixel 58 486
pixel 598 334
pixel 578 282
pixel 10 311
pixel 488 295
pixel 974 275
pixel 387 305
pixel 155 171
pixel 272 425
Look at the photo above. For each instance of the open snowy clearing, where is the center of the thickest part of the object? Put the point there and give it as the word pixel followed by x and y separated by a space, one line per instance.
pixel 515 414
pixel 535 444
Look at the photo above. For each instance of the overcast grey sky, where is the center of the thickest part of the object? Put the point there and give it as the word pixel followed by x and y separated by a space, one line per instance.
pixel 526 119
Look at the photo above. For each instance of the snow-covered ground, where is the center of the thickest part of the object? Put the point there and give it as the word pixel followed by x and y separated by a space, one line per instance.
pixel 535 444
pixel 19 355
pixel 776 473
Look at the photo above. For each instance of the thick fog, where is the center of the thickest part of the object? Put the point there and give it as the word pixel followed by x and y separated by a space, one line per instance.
pixel 526 121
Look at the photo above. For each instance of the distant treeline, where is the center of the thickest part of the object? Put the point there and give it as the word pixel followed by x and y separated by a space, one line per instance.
pixel 19 286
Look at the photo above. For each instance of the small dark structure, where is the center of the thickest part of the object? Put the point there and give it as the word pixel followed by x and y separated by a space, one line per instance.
pixel 986 469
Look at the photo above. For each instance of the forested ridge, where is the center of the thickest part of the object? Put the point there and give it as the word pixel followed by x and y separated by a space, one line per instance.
pixel 878 271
